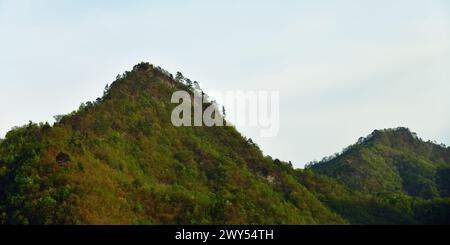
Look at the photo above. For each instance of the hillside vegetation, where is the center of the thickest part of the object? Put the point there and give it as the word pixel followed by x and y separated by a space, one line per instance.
pixel 395 169
pixel 119 160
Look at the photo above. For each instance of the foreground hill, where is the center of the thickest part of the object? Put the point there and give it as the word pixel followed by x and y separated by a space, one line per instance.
pixel 119 160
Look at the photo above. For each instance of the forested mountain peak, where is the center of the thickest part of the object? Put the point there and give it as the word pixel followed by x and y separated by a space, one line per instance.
pixel 120 160
pixel 391 160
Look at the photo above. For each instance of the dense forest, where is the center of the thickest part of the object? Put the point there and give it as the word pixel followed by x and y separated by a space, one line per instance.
pixel 119 160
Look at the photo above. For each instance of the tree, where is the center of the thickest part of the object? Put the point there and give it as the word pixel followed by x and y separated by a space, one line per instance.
pixel 277 161
pixel 196 85
pixel 224 112
pixel 179 77
pixel 105 91
pixel 62 158
pixel 58 118
pixel 82 107
pixel 189 83
pixel 142 66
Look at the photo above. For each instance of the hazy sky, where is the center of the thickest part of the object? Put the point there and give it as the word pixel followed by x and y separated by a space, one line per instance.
pixel 343 68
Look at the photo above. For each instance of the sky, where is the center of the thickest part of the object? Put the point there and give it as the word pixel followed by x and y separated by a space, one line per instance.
pixel 342 68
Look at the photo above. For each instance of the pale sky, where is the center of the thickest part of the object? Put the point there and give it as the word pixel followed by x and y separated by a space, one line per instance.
pixel 343 68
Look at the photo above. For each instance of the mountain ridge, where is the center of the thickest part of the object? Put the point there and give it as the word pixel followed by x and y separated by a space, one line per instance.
pixel 119 160
pixel 396 147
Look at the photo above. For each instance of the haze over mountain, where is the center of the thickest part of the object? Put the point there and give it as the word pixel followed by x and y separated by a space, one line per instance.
pixel 343 68
pixel 119 160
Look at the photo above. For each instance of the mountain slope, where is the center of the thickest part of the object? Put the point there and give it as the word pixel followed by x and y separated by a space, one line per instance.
pixel 119 160
pixel 392 160
pixel 389 177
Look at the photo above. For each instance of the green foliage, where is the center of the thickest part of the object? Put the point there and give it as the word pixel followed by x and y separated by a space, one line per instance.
pixel 32 191
pixel 119 160
pixel 390 177
pixel 391 161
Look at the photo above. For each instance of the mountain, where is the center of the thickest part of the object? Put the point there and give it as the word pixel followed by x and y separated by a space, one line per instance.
pixel 119 160
pixel 388 177
pixel 392 160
